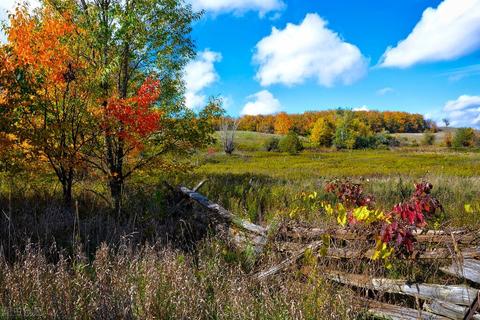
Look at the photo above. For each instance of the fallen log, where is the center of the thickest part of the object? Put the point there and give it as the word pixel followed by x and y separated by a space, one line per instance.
pixel 309 234
pixel 447 309
pixel 468 269
pixel 394 312
pixel 436 254
pixel 287 262
pixel 223 213
pixel 456 294
pixel 356 253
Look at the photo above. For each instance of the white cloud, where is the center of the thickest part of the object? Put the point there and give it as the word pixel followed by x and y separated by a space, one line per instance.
pixel 263 102
pixel 384 91
pixel 463 72
pixel 362 108
pixel 238 6
pixel 463 112
pixel 308 50
pixel 448 32
pixel 199 74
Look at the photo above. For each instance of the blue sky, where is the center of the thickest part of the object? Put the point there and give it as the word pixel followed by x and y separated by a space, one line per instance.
pixel 436 71
pixel 267 56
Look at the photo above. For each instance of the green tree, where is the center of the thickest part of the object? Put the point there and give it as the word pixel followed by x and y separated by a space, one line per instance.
pixel 131 42
pixel 290 143
pixel 322 133
pixel 464 137
pixel 352 133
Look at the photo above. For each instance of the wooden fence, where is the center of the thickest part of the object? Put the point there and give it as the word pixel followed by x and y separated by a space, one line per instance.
pixel 458 253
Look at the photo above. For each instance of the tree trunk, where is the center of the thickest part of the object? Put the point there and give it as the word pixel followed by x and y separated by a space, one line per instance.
pixel 67 183
pixel 116 188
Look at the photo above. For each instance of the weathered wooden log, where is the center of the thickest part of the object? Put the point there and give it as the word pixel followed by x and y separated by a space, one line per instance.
pixel 468 269
pixel 309 234
pixel 223 213
pixel 447 309
pixel 472 310
pixel 394 312
pixel 456 294
pixel 287 262
pixel 240 239
pixel 436 254
pixel 356 253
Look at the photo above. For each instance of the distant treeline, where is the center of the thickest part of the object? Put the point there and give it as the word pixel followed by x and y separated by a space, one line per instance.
pixel 302 124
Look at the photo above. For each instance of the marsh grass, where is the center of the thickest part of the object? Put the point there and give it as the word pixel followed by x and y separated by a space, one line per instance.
pixel 263 186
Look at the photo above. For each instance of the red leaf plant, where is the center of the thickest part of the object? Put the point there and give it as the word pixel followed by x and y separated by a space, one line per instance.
pixel 396 229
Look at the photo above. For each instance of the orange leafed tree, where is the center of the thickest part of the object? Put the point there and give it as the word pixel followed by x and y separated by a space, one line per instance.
pixel 283 123
pixel 49 94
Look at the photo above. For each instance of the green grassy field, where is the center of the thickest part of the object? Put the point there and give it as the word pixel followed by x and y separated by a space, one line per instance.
pixel 265 185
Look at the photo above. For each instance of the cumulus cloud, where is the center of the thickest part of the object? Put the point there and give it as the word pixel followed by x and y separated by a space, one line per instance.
pixel 199 74
pixel 384 91
pixel 238 6
pixel 362 108
pixel 464 111
pixel 448 32
pixel 263 102
pixel 308 50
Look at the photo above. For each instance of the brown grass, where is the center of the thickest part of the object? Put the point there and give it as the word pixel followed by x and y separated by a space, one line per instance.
pixel 150 282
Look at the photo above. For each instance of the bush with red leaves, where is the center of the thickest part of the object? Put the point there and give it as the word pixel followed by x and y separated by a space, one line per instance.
pixel 396 229
pixel 350 194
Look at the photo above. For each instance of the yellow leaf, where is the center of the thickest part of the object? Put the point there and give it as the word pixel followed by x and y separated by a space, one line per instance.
pixel 342 215
pixel 468 208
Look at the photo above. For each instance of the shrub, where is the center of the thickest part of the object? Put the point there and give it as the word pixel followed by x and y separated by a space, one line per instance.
pixel 322 133
pixel 290 143
pixel 271 144
pixel 384 139
pixel 464 137
pixel 366 142
pixel 448 139
pixel 428 138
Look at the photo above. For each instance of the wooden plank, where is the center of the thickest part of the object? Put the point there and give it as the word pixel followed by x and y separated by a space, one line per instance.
pixel 444 253
pixel 473 308
pixel 394 312
pixel 468 269
pixel 287 262
pixel 447 309
pixel 223 213
pixel 343 234
pixel 457 294
pixel 440 253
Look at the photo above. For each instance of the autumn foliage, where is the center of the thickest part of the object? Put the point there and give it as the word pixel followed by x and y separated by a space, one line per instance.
pixel 41 45
pixel 133 118
pixel 303 124
pixel 394 229
pixel 80 91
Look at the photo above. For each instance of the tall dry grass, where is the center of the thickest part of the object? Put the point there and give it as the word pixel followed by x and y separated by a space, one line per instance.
pixel 153 282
